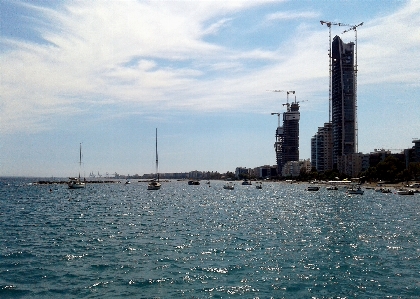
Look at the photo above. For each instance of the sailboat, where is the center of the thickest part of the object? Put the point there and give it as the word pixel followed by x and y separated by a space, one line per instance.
pixel 155 185
pixel 76 183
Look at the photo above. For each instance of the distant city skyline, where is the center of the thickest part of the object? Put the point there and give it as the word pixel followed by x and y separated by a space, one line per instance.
pixel 107 73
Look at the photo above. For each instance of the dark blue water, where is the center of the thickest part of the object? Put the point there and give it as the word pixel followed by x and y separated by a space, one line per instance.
pixel 116 240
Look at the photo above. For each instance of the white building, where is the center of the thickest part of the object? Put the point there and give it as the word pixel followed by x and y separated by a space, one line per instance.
pixel 293 168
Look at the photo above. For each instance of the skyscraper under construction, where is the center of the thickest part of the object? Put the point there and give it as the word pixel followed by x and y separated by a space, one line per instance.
pixel 343 99
pixel 287 136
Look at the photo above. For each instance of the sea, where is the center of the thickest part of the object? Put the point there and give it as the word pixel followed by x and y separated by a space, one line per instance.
pixel 123 241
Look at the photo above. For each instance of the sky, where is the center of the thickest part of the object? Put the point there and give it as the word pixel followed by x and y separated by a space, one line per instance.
pixel 106 74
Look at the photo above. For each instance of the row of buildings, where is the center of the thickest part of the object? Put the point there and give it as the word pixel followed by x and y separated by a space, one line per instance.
pixel 335 145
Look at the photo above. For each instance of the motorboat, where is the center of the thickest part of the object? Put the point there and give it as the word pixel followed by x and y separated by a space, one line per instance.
pixel 228 186
pixel 354 190
pixel 405 192
pixel 246 182
pixel 383 190
pixel 193 182
pixel 331 188
pixel 312 188
pixel 258 185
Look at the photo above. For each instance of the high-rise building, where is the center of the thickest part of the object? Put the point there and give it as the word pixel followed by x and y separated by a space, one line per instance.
pixel 343 99
pixel 287 137
pixel 321 148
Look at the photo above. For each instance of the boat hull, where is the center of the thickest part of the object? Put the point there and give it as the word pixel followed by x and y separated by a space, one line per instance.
pixel 76 185
pixel 154 186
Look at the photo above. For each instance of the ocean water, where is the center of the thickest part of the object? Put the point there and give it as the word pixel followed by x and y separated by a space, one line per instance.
pixel 116 240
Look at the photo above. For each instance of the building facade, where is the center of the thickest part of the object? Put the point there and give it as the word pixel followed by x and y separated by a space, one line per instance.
pixel 294 168
pixel 353 164
pixel 321 148
pixel 343 100
pixel 287 137
pixel 416 149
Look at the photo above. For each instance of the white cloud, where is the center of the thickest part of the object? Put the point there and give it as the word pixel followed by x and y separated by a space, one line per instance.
pixel 144 53
pixel 388 47
pixel 292 15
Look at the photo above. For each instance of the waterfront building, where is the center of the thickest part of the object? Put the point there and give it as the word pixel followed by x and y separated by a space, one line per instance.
pixel 242 172
pixel 321 148
pixel 294 168
pixel 352 164
pixel 266 171
pixel 343 99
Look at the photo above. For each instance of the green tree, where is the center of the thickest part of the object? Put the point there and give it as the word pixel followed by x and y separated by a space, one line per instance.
pixel 414 170
pixel 389 169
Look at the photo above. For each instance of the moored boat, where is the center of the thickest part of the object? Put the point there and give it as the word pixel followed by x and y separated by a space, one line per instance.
pixel 354 190
pixel 228 186
pixel 312 188
pixel 331 188
pixel 154 184
pixel 77 183
pixel 405 192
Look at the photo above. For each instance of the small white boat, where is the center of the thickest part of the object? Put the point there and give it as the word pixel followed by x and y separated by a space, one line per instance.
pixel 228 186
pixel 357 190
pixel 258 185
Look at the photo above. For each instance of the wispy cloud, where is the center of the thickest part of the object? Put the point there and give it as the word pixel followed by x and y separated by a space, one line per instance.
pixel 291 15
pixel 388 47
pixel 110 53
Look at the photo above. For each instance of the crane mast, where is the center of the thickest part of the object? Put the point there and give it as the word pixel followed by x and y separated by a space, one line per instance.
pixel 355 81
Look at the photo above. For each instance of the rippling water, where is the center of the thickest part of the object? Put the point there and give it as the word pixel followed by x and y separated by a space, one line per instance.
pixel 116 240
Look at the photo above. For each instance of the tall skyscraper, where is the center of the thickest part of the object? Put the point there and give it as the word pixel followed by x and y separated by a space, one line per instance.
pixel 343 104
pixel 287 137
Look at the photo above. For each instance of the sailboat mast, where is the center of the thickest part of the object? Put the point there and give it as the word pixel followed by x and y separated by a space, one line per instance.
pixel 80 158
pixel 157 160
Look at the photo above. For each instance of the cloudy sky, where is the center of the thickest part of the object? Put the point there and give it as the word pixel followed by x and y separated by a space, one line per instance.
pixel 107 73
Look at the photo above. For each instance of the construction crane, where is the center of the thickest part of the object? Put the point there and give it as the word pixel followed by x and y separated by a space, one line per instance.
pixel 278 115
pixel 287 98
pixel 355 78
pixel 329 24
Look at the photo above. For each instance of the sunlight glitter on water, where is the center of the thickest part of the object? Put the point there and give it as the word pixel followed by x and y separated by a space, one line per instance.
pixel 197 241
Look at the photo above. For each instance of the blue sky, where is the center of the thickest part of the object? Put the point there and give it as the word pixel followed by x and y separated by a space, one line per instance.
pixel 107 73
